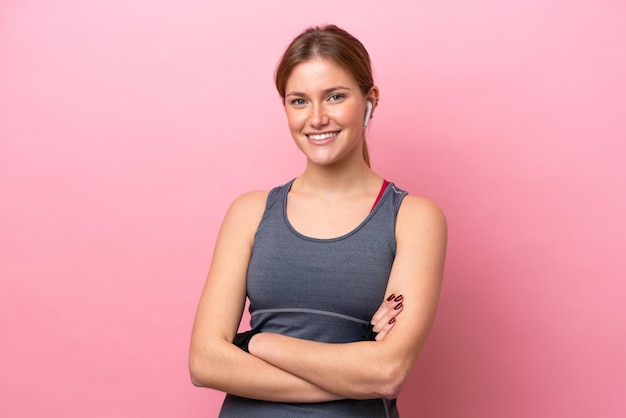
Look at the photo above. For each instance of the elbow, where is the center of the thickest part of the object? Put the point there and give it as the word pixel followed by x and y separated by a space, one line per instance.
pixel 194 374
pixel 390 389
pixel 196 380
pixel 391 392
pixel 198 372
pixel 207 365
pixel 391 382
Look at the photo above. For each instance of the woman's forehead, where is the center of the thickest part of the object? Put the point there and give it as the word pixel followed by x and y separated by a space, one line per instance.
pixel 318 73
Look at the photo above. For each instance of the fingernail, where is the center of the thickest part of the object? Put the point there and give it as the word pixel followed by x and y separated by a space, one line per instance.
pixel 399 298
pixel 390 298
pixel 392 320
pixel 398 306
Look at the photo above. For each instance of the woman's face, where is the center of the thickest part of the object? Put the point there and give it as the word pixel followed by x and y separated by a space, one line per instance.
pixel 325 111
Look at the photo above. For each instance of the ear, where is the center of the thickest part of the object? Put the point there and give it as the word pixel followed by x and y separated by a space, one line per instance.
pixel 372 102
pixel 373 96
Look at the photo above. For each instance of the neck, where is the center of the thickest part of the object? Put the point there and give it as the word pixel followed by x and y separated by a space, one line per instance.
pixel 337 179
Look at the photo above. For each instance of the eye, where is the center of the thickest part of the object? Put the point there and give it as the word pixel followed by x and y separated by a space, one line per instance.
pixel 298 102
pixel 335 97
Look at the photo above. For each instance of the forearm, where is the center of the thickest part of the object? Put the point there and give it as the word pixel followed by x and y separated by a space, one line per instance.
pixel 360 370
pixel 227 368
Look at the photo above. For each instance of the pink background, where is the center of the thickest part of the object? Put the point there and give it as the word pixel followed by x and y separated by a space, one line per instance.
pixel 127 128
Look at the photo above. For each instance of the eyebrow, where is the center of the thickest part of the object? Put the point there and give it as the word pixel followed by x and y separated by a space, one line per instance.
pixel 324 92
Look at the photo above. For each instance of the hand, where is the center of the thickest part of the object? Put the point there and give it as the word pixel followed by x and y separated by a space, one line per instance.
pixel 385 317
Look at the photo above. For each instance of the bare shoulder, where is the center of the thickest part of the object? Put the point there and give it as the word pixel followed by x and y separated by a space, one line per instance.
pixel 250 202
pixel 418 214
pixel 246 211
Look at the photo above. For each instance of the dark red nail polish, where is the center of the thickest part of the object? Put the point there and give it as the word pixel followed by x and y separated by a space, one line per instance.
pixel 390 298
pixel 392 320
pixel 398 306
pixel 399 298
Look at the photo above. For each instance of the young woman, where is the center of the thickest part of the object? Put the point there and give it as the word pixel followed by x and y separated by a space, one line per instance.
pixel 328 260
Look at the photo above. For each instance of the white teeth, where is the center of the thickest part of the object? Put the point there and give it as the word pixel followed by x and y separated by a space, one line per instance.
pixel 322 136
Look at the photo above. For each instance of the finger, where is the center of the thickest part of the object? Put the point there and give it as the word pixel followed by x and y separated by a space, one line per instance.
pixel 386 322
pixel 383 308
pixel 389 309
pixel 388 325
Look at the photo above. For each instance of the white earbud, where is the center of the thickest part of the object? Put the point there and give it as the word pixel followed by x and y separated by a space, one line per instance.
pixel 368 113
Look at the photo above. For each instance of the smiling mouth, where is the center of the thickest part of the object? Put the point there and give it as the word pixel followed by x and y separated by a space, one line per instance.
pixel 321 137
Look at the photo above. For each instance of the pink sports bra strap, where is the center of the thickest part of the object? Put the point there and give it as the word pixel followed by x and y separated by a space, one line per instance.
pixel 380 194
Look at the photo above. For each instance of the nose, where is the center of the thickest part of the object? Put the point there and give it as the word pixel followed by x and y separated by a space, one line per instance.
pixel 318 116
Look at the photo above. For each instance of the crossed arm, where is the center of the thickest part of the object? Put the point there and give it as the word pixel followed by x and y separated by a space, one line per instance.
pixel 284 369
